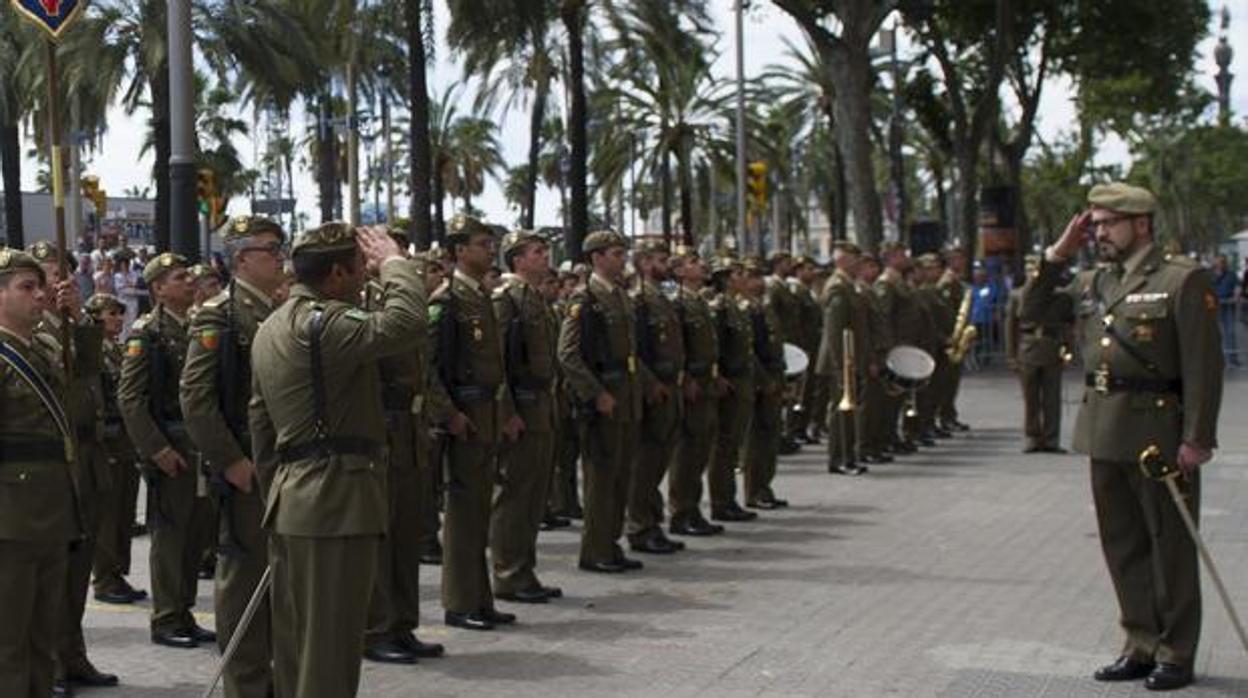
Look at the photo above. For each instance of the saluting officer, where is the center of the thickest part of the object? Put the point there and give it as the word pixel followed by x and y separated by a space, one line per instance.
pixel 180 514
pixel 471 399
pixel 112 548
pixel 735 334
pixel 702 389
pixel 530 341
pixel 842 310
pixel 318 435
pixel 38 505
pixel 661 348
pixel 763 443
pixel 215 390
pixel 597 345
pixel 1034 350
pixel 1151 345
pixel 95 481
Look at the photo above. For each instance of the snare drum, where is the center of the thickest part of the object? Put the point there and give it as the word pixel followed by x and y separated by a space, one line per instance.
pixel 907 368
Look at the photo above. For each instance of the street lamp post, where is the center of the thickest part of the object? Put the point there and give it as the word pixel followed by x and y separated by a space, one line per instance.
pixel 741 239
pixel 183 233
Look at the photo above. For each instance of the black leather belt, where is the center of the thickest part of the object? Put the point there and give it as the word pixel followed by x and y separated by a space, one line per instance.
pixel 699 369
pixel 329 446
pixel 1102 382
pixel 25 451
pixel 473 393
pixel 1041 331
pixel 528 395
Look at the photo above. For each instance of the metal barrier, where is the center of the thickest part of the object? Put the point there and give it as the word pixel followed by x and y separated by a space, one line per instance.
pixel 1234 327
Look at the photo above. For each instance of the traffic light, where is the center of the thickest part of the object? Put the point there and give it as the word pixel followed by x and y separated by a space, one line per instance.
pixel 90 185
pixel 205 189
pixel 756 185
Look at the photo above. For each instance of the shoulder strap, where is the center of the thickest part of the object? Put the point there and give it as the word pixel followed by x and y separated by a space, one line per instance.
pixel 1113 333
pixel 316 323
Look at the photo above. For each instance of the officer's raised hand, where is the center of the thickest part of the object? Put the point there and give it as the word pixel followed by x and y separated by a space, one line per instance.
pixel 1072 239
pixel 377 246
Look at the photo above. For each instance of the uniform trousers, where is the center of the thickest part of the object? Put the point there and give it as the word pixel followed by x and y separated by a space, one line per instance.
pixel 32 598
pixel 519 505
pixel 608 444
pixel 697 436
pixel 394 610
pixel 660 428
pixel 736 411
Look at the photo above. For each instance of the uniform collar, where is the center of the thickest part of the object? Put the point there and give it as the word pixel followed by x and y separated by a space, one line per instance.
pixel 602 280
pixel 1137 259
pixel 181 321
pixel 6 333
pixel 264 298
pixel 461 277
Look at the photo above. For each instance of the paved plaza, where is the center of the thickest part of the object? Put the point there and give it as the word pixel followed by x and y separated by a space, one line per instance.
pixel 966 570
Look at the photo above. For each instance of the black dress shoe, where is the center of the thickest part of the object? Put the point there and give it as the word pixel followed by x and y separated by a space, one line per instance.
pixel 959 426
pixel 677 545
pixel 424 650
pixel 537 595
pixel 1168 677
pixel 1124 669
pixel 777 503
pixel 553 592
pixel 601 567
pixel 847 469
pixel 551 523
pixel 1054 449
pixel 942 433
pixel 653 545
pixel 135 594
pixel 181 639
pixel 468 621
pixel 686 527
pixel 927 441
pixel 202 634
pixel 431 554
pixel 117 596
pixel 87 675
pixel 576 513
pixel 61 688
pixel 628 563
pixel 498 617
pixel 387 652
pixel 705 525
pixel 762 504
pixel 1032 449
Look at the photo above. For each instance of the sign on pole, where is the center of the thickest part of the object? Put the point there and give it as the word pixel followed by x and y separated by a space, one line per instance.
pixel 53 16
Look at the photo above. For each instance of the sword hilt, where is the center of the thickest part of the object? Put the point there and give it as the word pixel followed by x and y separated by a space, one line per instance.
pixel 1154 466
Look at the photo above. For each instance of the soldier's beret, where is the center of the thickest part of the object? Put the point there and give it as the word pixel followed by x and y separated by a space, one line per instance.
pixel 684 252
pixel 398 233
pixel 953 251
pixel 203 271
pixel 846 247
pixel 755 265
pixel 243 227
pixel 45 252
pixel 869 257
pixel 1122 197
pixel 463 227
pixel 516 240
pixel 161 263
pixel 929 260
pixel 335 236
pixel 724 263
pixel 778 255
pixel 100 302
pixel 602 240
pixel 652 246
pixel 14 260
pixel 891 246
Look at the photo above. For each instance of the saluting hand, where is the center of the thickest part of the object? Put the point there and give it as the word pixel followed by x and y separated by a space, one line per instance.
pixel 377 246
pixel 1068 245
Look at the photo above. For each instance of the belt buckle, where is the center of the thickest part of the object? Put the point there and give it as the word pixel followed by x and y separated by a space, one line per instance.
pixel 1100 380
pixel 632 364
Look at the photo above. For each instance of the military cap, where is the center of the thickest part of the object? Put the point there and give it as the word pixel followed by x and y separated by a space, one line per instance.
pixel 335 236
pixel 45 252
pixel 203 271
pixel 755 266
pixel 602 240
pixel 161 263
pixel 777 256
pixel 514 241
pixel 100 302
pixel 14 260
pixel 953 251
pixel 683 251
pixel 929 260
pixel 463 227
pixel 890 246
pixel 1122 197
pixel 869 257
pixel 243 227
pixel 399 234
pixel 802 260
pixel 846 247
pixel 724 263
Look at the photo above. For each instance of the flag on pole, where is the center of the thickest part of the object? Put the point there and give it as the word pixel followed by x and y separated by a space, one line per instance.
pixel 53 16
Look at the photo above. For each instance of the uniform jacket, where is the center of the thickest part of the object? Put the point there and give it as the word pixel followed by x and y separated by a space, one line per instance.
pixel 597 345
pixel 1165 309
pixel 153 413
pixel 470 374
pixel 660 336
pixel 1037 343
pixel 337 495
pixel 735 335
pixel 903 323
pixel 530 348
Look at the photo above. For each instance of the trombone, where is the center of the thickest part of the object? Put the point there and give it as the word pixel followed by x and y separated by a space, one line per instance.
pixel 847 408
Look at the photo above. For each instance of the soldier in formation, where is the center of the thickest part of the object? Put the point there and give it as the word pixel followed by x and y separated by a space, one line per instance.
pixel 1035 350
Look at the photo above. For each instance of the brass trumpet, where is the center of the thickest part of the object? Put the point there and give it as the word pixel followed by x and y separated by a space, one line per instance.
pixel 849 373
pixel 964 333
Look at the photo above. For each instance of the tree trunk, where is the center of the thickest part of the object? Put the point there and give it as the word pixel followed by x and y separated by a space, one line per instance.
pixel 852 72
pixel 326 161
pixel 438 194
pixel 572 14
pixel 11 175
pixel 665 185
pixel 968 198
pixel 159 87
pixel 529 202
pixel 683 170
pixel 422 173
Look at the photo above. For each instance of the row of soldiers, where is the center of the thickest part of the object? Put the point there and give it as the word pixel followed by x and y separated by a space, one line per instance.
pixel 304 441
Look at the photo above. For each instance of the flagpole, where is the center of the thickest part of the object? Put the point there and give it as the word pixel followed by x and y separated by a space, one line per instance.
pixel 58 193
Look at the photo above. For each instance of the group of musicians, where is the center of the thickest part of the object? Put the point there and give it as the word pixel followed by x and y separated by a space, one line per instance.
pixel 431 392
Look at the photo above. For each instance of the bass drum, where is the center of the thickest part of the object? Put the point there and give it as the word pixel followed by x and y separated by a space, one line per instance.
pixel 795 361
pixel 907 368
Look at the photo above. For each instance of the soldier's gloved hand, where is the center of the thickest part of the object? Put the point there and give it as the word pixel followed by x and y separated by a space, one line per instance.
pixel 513 428
pixel 239 474
pixel 1192 457
pixel 170 462
pixel 605 404
pixel 377 247
pixel 459 425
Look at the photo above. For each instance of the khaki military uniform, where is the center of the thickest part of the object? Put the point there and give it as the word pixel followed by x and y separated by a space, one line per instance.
pixel 468 351
pixel 215 390
pixel 763 443
pixel 319 454
pixel 661 348
pixel 1151 345
pixel 737 365
pixel 700 426
pixel 813 389
pixel 784 304
pixel 951 290
pixel 180 515
pixel 565 498
pixel 903 325
pixel 844 309
pixel 937 323
pixel 597 345
pixel 1036 348
pixel 530 338
pixel 874 397
pixel 38 517
pixel 112 548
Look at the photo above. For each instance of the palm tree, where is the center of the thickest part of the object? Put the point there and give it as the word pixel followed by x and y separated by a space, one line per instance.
pixel 511 46
pixel 418 21
pixel 572 13
pixel 476 153
pixel 14 103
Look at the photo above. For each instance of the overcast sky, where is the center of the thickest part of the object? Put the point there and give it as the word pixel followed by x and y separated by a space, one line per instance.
pixel 766 28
